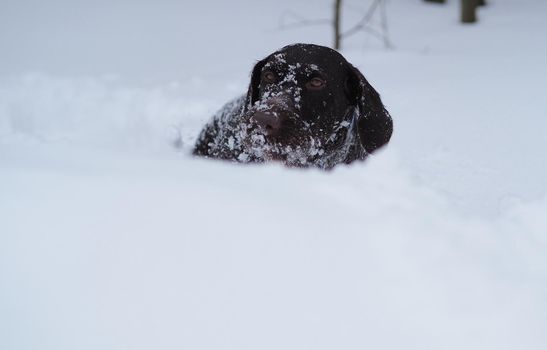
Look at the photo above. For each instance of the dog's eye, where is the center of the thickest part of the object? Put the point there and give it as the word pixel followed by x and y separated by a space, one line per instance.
pixel 315 84
pixel 269 77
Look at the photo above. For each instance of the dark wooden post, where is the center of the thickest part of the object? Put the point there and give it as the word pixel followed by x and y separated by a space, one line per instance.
pixel 468 8
pixel 337 23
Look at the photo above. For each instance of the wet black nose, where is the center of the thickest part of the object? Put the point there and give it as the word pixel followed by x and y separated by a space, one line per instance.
pixel 269 122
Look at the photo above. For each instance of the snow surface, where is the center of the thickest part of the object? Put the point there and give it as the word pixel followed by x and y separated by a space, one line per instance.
pixel 113 237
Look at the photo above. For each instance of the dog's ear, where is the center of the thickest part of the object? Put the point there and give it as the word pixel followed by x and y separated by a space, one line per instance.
pixel 374 124
pixel 252 92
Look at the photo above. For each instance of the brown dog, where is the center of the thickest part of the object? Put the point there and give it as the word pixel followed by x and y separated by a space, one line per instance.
pixel 306 106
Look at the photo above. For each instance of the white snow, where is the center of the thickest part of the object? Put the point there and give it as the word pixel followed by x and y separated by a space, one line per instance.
pixel 113 237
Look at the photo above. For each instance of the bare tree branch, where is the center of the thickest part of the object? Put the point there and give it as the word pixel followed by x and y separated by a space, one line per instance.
pixel 299 21
pixel 291 20
pixel 364 24
pixel 383 22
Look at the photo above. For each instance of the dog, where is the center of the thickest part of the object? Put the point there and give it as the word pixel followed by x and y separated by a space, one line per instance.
pixel 306 106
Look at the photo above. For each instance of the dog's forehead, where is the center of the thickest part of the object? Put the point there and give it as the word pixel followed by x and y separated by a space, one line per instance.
pixel 279 61
pixel 308 58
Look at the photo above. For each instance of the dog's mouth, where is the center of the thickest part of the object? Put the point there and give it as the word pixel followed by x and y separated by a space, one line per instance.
pixel 297 145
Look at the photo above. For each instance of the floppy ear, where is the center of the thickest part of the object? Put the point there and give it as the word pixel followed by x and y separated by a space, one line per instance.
pixel 252 92
pixel 374 124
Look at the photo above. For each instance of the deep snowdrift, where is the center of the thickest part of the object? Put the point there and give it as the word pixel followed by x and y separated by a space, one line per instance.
pixel 112 236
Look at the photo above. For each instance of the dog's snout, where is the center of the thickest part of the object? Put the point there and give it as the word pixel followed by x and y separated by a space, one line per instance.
pixel 269 122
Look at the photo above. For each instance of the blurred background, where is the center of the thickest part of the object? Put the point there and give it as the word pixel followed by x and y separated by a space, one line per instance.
pixel 171 39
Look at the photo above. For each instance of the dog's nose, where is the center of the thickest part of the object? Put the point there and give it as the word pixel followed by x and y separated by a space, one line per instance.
pixel 269 122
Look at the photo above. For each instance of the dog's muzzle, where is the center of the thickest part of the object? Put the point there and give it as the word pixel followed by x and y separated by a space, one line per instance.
pixel 271 115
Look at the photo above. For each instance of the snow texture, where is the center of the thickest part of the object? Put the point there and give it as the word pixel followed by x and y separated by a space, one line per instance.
pixel 112 238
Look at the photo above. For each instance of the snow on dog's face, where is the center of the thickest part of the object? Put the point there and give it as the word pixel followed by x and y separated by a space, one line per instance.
pixel 301 107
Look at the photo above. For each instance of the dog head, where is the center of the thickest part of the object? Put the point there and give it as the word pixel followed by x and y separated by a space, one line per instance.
pixel 306 105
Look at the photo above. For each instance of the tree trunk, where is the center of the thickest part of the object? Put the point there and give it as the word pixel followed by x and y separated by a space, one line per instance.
pixel 469 11
pixel 336 23
pixel 437 1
